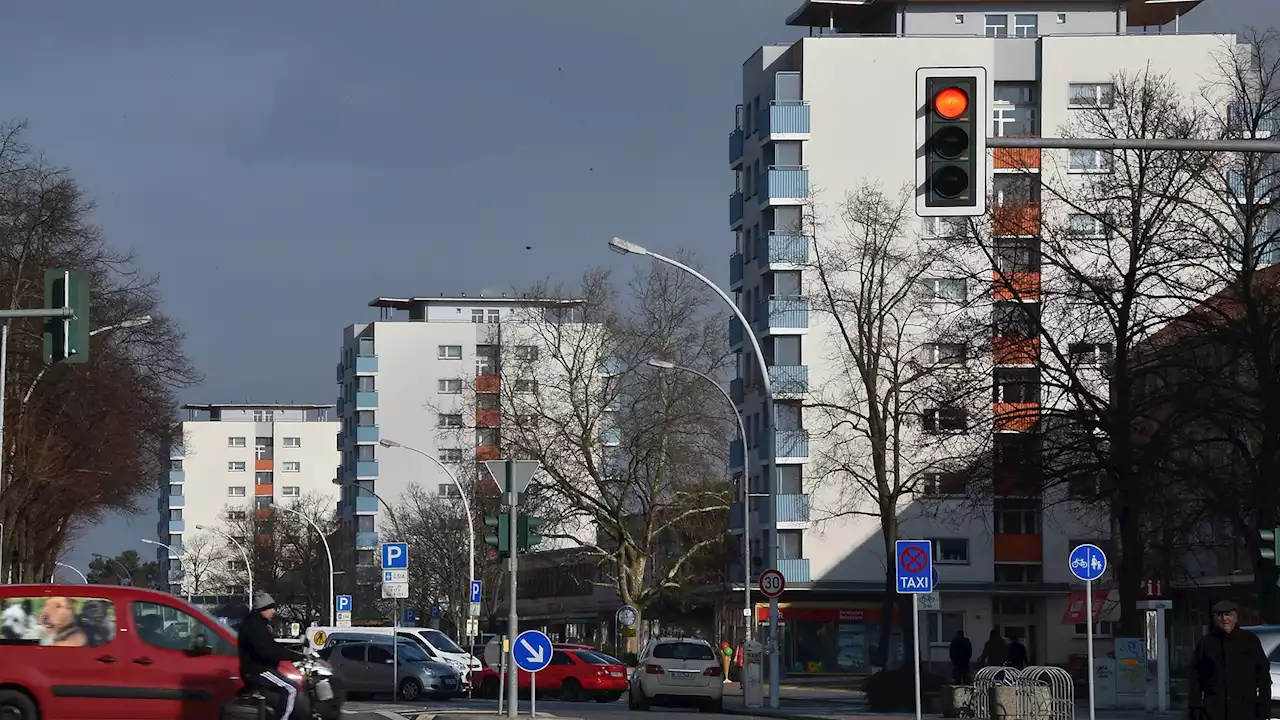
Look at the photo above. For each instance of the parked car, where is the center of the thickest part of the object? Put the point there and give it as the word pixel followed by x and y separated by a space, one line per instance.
pixel 574 674
pixel 370 667
pixel 1270 637
pixel 434 643
pixel 677 671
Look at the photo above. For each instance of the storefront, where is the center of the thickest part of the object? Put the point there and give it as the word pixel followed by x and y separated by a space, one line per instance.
pixel 829 639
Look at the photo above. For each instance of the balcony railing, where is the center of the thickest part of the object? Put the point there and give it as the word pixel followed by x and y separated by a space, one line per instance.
pixel 367 434
pixel 366 540
pixel 735 209
pixel 735 391
pixel 1015 350
pixel 784 118
pixel 736 454
pixel 784 312
pixel 735 332
pixel 1015 219
pixel 1019 158
pixel 487 383
pixel 488 418
pixel 1015 285
pixel 177 526
pixel 792 508
pixel 794 570
pixel 367 399
pixel 791 444
pixel 789 379
pixel 177 476
pixel 177 501
pixel 1019 548
pixel 488 452
pixel 366 364
pixel 735 268
pixel 785 249
pixel 367 468
pixel 735 147
pixel 366 505
pixel 784 185
pixel 1016 417
pixel 1241 117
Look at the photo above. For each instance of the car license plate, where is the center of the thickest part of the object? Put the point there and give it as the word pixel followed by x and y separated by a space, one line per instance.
pixel 324 691
pixel 450 682
pixel 615 674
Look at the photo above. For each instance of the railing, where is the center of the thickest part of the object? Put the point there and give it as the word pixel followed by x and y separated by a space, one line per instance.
pixel 789 379
pixel 784 118
pixel 782 182
pixel 736 454
pixel 367 468
pixel 735 391
pixel 1015 219
pixel 487 383
pixel 791 444
pixel 366 364
pixel 735 332
pixel 735 208
pixel 794 570
pixel 177 476
pixel 1015 285
pixel 367 434
pixel 177 501
pixel 1016 417
pixel 1241 118
pixel 367 399
pixel 366 540
pixel 785 248
pixel 791 508
pixel 488 452
pixel 784 311
pixel 735 268
pixel 1011 547
pixel 366 505
pixel 735 146
pixel 1015 350
pixel 488 418
pixel 177 526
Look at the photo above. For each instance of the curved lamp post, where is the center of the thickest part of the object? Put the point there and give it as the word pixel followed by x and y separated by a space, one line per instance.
pixel 626 247
pixel 72 568
pixel 248 569
pixel 746 475
pixel 172 551
pixel 127 578
pixel 130 323
pixel 333 598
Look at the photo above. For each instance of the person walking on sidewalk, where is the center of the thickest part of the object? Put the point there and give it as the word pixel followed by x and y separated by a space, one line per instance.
pixel 961 655
pixel 1230 673
pixel 994 652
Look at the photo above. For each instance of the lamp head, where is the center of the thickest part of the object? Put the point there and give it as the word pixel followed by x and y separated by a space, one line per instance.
pixel 200 527
pixel 660 364
pixel 626 247
pixel 136 322
pixel 388 443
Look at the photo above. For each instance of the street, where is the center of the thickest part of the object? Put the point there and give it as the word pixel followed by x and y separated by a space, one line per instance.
pixel 557 708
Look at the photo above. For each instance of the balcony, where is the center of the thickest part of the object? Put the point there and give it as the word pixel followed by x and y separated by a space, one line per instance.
pixel 1015 350
pixel 488 452
pixel 789 379
pixel 1022 548
pixel 366 434
pixel 784 312
pixel 1016 417
pixel 735 210
pixel 1015 220
pixel 488 418
pixel 177 501
pixel 735 269
pixel 488 383
pixel 1016 158
pixel 177 526
pixel 793 446
pixel 263 489
pixel 735 147
pixel 735 518
pixel 736 455
pixel 1243 116
pixel 784 121
pixel 366 468
pixel 784 249
pixel 342 373
pixel 791 508
pixel 177 476
pixel 263 465
pixel 784 185
pixel 366 505
pixel 367 399
pixel 735 391
pixel 735 332
pixel 1015 286
pixel 366 364
pixel 366 540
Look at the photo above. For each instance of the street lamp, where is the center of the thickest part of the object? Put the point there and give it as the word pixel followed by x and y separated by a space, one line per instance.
pixel 247 568
pixel 123 325
pixel 333 597
pixel 127 578
pixel 746 475
pixel 626 247
pixel 172 551
pixel 53 578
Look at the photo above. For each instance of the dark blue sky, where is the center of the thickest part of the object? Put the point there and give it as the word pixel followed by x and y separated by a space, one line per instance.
pixel 280 164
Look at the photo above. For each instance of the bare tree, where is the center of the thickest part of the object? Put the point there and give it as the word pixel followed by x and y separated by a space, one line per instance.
pixel 200 564
pixel 436 530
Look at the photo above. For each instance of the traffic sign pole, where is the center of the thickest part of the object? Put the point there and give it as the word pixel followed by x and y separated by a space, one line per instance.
pixel 1088 563
pixel 1088 613
pixel 915 650
pixel 513 616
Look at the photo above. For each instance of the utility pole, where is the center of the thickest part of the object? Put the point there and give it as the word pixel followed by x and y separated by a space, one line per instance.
pixel 513 616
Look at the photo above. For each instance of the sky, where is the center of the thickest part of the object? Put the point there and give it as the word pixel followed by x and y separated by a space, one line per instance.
pixel 280 164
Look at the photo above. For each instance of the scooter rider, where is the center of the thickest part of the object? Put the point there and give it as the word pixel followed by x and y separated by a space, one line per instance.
pixel 261 655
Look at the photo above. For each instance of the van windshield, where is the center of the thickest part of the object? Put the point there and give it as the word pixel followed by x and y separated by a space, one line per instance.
pixel 440 641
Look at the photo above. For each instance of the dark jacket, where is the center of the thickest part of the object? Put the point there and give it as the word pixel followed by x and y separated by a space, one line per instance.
pixel 1230 678
pixel 1017 654
pixel 259 650
pixel 995 651
pixel 961 652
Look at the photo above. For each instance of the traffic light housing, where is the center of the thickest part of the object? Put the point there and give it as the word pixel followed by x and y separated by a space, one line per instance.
pixel 500 538
pixel 1269 544
pixel 951 142
pixel 528 527
pixel 66 339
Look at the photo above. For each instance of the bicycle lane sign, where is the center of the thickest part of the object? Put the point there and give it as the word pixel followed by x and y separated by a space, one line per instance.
pixel 1087 562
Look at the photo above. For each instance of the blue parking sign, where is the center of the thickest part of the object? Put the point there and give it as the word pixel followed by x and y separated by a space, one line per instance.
pixel 475 592
pixel 395 556
pixel 342 603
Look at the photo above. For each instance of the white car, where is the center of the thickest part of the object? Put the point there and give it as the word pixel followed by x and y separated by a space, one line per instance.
pixel 1270 637
pixel 677 671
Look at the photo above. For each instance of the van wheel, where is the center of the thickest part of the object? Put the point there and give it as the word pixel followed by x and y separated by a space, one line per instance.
pixel 17 705
pixel 410 689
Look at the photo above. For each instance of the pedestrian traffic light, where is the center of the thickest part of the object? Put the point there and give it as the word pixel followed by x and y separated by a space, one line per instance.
pixel 1269 544
pixel 528 527
pixel 500 538
pixel 66 339
pixel 951 142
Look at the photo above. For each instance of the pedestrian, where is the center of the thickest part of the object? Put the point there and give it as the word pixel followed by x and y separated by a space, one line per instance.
pixel 1230 673
pixel 994 652
pixel 961 655
pixel 1017 652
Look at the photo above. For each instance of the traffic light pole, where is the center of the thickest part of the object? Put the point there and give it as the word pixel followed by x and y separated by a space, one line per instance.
pixel 513 617
pixel 1048 143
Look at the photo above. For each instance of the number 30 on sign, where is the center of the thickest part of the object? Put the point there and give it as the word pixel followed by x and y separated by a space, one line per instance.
pixel 772 583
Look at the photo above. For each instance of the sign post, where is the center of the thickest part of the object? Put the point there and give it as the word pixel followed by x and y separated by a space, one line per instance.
pixel 1087 563
pixel 916 577
pixel 515 475
pixel 532 652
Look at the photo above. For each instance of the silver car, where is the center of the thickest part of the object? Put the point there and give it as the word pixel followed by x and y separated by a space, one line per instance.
pixel 369 667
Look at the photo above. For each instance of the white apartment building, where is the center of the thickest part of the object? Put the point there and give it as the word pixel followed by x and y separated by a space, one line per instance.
pixel 241 457
pixel 823 115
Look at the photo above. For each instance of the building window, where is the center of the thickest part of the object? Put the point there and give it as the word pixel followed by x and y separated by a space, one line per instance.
pixel 1016 516
pixel 449 352
pixel 235 514
pixel 944 483
pixel 1019 574
pixel 943 626
pixel 450 455
pixel 449 386
pixel 175 514
pixel 292 491
pixel 996 26
pixel 292 467
pixel 1017 255
pixel 449 421
pixel 1015 110
pixel 175 464
pixel 449 490
pixel 1062 18
pixel 526 353
pixel 1089 161
pixel 262 448
pixel 477 316
pixel 236 442
pixel 947 419
pixel 1091 95
pixel 175 489
pixel 1016 320
pixel 1104 628
pixel 1088 354
pixel 1017 385
pixel 235 466
pixel 951 551
pixel 494 316
pixel 951 290
pixel 293 442
pixel 264 415
pixel 1025 26
pixel 236 491
pixel 525 385
pixel 943 228
pixel 943 353
pixel 262 478
pixel 959 18
pixel 1084 225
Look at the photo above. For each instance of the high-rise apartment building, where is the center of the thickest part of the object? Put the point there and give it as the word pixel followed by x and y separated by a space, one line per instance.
pixel 237 458
pixel 822 116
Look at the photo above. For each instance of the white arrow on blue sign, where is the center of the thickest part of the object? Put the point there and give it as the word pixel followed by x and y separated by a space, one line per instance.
pixel 915 566
pixel 532 651
pixel 1088 562
pixel 475 591
pixel 395 556
pixel 342 603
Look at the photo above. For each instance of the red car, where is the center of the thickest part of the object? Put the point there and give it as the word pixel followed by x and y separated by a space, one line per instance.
pixel 576 673
pixel 110 652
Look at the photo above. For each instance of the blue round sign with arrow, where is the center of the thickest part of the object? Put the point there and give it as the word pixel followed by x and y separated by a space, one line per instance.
pixel 532 651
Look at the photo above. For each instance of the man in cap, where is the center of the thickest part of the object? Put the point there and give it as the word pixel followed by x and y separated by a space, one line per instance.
pixel 261 655
pixel 1230 673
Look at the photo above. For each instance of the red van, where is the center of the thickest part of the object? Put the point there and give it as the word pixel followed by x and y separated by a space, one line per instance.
pixel 104 652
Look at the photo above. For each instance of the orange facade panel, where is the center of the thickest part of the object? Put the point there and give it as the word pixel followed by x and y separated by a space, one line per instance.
pixel 1015 285
pixel 488 452
pixel 487 418
pixel 1015 220
pixel 1015 350
pixel 263 465
pixel 1019 548
pixel 487 383
pixel 1016 417
pixel 1020 158
pixel 260 490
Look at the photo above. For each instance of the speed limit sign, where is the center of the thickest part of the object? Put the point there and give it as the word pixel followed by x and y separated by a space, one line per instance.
pixel 772 583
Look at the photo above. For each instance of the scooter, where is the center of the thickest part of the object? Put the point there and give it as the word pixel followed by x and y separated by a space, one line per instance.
pixel 319 696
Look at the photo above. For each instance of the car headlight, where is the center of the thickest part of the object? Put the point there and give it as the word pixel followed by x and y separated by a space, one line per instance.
pixel 428 672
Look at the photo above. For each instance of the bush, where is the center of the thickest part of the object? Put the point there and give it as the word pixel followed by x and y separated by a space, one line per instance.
pixel 895 690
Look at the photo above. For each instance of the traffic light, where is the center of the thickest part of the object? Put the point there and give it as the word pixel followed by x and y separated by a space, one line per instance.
pixel 66 339
pixel 1269 544
pixel 951 140
pixel 500 538
pixel 528 527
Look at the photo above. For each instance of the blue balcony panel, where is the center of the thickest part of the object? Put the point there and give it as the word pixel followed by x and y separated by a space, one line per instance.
pixel 366 540
pixel 785 312
pixel 792 508
pixel 735 209
pixel 367 433
pixel 736 454
pixel 735 268
pixel 785 249
pixel 177 526
pixel 789 379
pixel 795 570
pixel 367 468
pixel 735 391
pixel 791 444
pixel 366 505
pixel 342 373
pixel 177 476
pixel 366 364
pixel 367 399
pixel 735 147
pixel 781 185
pixel 784 118
pixel 177 501
pixel 1243 116
pixel 735 332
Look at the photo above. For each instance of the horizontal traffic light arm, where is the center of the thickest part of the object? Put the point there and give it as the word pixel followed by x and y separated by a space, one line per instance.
pixel 39 313
pixel 1049 143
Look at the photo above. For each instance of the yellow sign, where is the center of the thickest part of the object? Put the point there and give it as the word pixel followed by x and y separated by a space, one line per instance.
pixel 319 637
pixel 628 632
